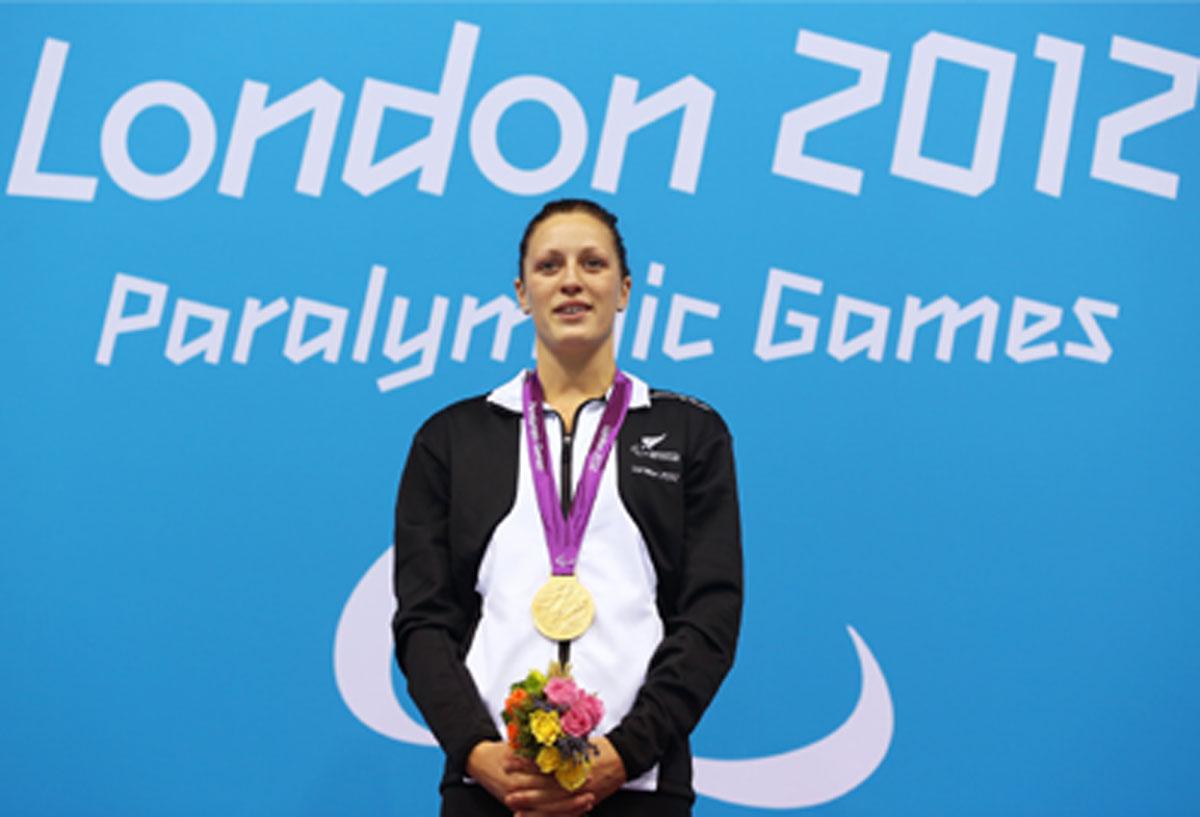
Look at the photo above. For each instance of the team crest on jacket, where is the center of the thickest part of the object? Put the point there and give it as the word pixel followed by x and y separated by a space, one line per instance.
pixel 648 447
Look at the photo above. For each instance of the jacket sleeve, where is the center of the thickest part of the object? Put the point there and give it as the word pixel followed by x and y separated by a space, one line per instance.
pixel 701 628
pixel 432 620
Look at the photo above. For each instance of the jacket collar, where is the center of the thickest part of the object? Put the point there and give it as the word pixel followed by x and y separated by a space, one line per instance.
pixel 508 395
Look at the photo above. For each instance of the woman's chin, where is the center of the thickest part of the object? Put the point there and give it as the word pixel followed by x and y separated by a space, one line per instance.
pixel 575 344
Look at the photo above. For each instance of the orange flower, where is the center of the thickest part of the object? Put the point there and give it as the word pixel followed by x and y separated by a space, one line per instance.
pixel 515 700
pixel 514 735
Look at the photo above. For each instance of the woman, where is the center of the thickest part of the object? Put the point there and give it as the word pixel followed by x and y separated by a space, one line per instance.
pixel 660 552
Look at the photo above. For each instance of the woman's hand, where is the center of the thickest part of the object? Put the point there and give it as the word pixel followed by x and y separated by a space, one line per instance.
pixel 608 771
pixel 519 784
pixel 606 776
pixel 536 794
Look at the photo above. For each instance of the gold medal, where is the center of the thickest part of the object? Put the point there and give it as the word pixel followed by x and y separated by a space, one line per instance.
pixel 563 608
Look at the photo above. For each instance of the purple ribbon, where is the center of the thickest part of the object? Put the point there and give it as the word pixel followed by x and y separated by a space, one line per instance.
pixel 564 536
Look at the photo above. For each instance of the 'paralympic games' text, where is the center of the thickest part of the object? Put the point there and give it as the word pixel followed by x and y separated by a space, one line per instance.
pixel 320 331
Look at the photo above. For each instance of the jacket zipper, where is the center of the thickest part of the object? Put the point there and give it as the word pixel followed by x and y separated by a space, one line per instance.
pixel 564 493
pixel 565 488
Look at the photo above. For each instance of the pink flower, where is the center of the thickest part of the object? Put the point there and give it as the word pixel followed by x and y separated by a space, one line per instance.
pixel 584 716
pixel 562 692
pixel 576 722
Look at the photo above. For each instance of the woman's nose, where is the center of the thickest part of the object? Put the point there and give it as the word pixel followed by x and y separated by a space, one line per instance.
pixel 571 275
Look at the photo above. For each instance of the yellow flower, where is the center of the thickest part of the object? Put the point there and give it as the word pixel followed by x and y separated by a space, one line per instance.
pixel 548 759
pixel 544 726
pixel 572 775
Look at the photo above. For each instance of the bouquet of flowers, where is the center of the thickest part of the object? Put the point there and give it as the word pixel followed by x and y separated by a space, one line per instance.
pixel 549 719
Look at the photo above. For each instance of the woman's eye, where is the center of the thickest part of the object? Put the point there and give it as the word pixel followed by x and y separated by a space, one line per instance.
pixel 594 263
pixel 545 265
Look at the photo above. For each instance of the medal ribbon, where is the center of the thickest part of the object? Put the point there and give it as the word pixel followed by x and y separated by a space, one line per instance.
pixel 564 536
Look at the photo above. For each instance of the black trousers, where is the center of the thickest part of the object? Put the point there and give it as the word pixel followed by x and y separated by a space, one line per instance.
pixel 475 801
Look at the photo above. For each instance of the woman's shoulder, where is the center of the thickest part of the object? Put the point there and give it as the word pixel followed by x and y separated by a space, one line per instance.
pixel 489 413
pixel 688 401
pixel 687 411
pixel 465 418
pixel 466 410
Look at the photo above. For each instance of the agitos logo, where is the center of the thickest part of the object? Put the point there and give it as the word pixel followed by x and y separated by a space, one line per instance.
pixel 804 776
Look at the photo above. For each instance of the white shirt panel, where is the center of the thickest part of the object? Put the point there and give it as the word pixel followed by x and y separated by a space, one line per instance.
pixel 611 658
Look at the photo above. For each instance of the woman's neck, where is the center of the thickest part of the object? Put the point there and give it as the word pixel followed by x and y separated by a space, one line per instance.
pixel 570 382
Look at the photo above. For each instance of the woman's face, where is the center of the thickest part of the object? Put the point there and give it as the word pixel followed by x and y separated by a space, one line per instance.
pixel 573 284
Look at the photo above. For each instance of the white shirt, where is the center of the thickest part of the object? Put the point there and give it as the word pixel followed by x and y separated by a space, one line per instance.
pixel 611 658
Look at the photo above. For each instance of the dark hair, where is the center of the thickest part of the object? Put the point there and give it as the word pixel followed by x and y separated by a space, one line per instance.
pixel 588 206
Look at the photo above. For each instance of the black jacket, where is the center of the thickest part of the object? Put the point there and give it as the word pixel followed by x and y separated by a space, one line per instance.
pixel 460 481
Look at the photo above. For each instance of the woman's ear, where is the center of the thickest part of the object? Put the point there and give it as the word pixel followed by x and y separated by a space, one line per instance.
pixel 519 287
pixel 626 287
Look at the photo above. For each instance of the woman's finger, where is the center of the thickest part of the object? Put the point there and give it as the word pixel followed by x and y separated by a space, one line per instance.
pixel 573 806
pixel 516 763
pixel 556 800
pixel 525 781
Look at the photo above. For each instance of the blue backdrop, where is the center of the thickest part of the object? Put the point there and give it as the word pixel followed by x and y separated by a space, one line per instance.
pixel 935 264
